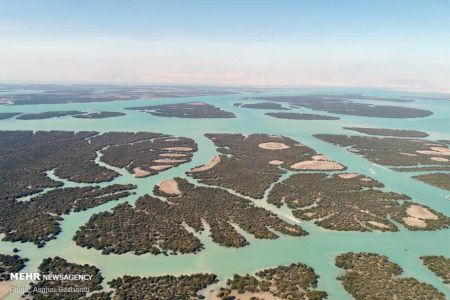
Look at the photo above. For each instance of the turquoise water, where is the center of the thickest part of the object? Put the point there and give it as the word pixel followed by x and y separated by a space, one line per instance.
pixel 317 250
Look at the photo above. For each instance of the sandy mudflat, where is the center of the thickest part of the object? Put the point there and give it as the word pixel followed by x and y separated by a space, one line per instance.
pixel 169 186
pixel 441 159
pixel 211 164
pixel 169 161
pixel 273 146
pixel 378 224
pixel 414 222
pixel 319 163
pixel 417 211
pixel 5 288
pixel 408 154
pixel 197 103
pixel 172 140
pixel 160 167
pixel 348 175
pixel 276 162
pixel 138 172
pixel 178 148
pixel 435 151
pixel 173 155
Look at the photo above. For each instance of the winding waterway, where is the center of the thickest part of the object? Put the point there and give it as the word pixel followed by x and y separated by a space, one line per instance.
pixel 317 250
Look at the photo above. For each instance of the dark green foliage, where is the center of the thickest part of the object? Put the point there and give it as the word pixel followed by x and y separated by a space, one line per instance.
pixel 155 226
pixel 59 265
pixel 185 287
pixel 296 281
pixel 340 104
pixel 265 105
pixel 49 114
pixel 370 276
pixel 244 166
pixel 388 151
pixel 37 220
pixel 440 180
pixel 299 116
pixel 10 264
pixel 25 157
pixel 390 132
pixel 100 115
pixel 439 265
pixel 350 204
pixel 4 116
pixel 191 110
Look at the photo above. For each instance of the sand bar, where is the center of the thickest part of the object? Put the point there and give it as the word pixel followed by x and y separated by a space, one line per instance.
pixel 317 165
pixel 169 161
pixel 138 172
pixel 276 162
pixel 273 146
pixel 211 164
pixel 348 175
pixel 178 148
pixel 417 211
pixel 169 186
pixel 414 222
pixel 173 155
pixel 160 167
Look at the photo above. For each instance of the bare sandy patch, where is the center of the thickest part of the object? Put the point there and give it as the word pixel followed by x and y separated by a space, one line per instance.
pixel 173 155
pixel 417 211
pixel 211 164
pixel 378 224
pixel 366 179
pixel 276 162
pixel 414 222
pixel 171 140
pixel 138 172
pixel 273 146
pixel 169 186
pixel 440 159
pixel 408 154
pixel 348 175
pixel 160 167
pixel 317 165
pixel 244 296
pixel 435 151
pixel 178 149
pixel 197 103
pixel 169 161
pixel 5 288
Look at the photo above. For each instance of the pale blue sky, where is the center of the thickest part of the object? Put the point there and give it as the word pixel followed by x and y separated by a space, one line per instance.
pixel 400 44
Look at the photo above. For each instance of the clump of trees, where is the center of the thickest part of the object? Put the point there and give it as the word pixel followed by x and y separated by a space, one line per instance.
pixel 370 276
pixel 439 265
pixel 10 264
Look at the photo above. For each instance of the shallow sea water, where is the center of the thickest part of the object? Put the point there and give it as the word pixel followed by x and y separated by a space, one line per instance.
pixel 317 250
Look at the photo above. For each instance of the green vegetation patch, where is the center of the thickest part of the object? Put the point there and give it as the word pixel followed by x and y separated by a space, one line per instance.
pixel 342 104
pixel 100 115
pixel 26 157
pixel 4 116
pixel 49 114
pixel 296 281
pixel 264 105
pixel 389 132
pixel 250 164
pixel 37 220
pixel 440 180
pixel 157 226
pixel 50 289
pixel 352 202
pixel 185 287
pixel 370 276
pixel 192 110
pixel 10 264
pixel 439 265
pixel 393 151
pixel 299 116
